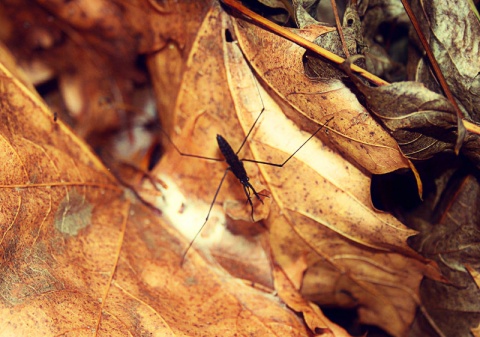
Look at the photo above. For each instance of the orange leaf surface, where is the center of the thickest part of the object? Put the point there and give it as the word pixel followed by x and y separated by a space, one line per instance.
pixel 78 258
pixel 80 255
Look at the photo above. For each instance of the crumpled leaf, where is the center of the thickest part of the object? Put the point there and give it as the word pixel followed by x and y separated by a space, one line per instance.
pixel 423 123
pixel 453 32
pixel 452 240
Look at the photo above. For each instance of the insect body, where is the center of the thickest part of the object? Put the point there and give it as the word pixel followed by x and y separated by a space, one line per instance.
pixel 235 165
pixel 237 168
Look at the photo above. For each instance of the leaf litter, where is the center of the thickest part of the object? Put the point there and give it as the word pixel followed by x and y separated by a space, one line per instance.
pixel 320 230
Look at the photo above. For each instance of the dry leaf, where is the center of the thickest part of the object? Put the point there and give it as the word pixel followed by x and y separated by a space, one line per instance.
pixel 451 240
pixel 152 293
pixel 62 221
pixel 88 257
pixel 354 133
pixel 320 203
pixel 453 31
pixel 314 317
pixel 423 123
pixel 78 258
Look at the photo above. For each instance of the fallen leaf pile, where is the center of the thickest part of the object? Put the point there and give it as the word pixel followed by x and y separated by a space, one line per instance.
pixel 110 112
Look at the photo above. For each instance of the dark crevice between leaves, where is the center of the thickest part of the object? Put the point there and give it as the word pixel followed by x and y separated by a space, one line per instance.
pixel 348 319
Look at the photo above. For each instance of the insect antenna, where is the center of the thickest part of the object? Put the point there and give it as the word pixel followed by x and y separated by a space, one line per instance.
pixel 253 126
pixel 293 154
pixel 185 153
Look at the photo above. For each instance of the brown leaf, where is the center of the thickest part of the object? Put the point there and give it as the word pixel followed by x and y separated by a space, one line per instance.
pixel 100 261
pixel 354 133
pixel 320 203
pixel 451 240
pixel 62 220
pixel 152 293
pixel 204 109
pixel 453 31
pixel 78 258
pixel 314 317
pixel 423 123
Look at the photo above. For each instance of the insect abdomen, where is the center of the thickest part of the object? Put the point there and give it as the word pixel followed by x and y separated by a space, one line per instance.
pixel 236 165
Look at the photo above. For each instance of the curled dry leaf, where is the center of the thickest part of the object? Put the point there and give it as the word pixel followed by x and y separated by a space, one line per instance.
pixel 423 122
pixel 452 240
pixel 320 204
pixel 453 31
pixel 314 317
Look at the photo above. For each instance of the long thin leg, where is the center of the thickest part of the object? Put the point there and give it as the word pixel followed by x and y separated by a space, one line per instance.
pixel 290 157
pixel 256 120
pixel 187 154
pixel 208 215
pixel 250 131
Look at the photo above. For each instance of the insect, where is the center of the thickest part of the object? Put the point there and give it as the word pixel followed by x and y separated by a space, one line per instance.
pixel 236 166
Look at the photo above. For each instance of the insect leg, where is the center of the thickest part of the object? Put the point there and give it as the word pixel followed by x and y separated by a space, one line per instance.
pixel 187 154
pixel 206 219
pixel 291 156
pixel 247 188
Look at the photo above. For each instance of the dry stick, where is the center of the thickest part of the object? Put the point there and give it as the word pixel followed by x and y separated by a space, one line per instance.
pixel 438 74
pixel 291 36
pixel 339 28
